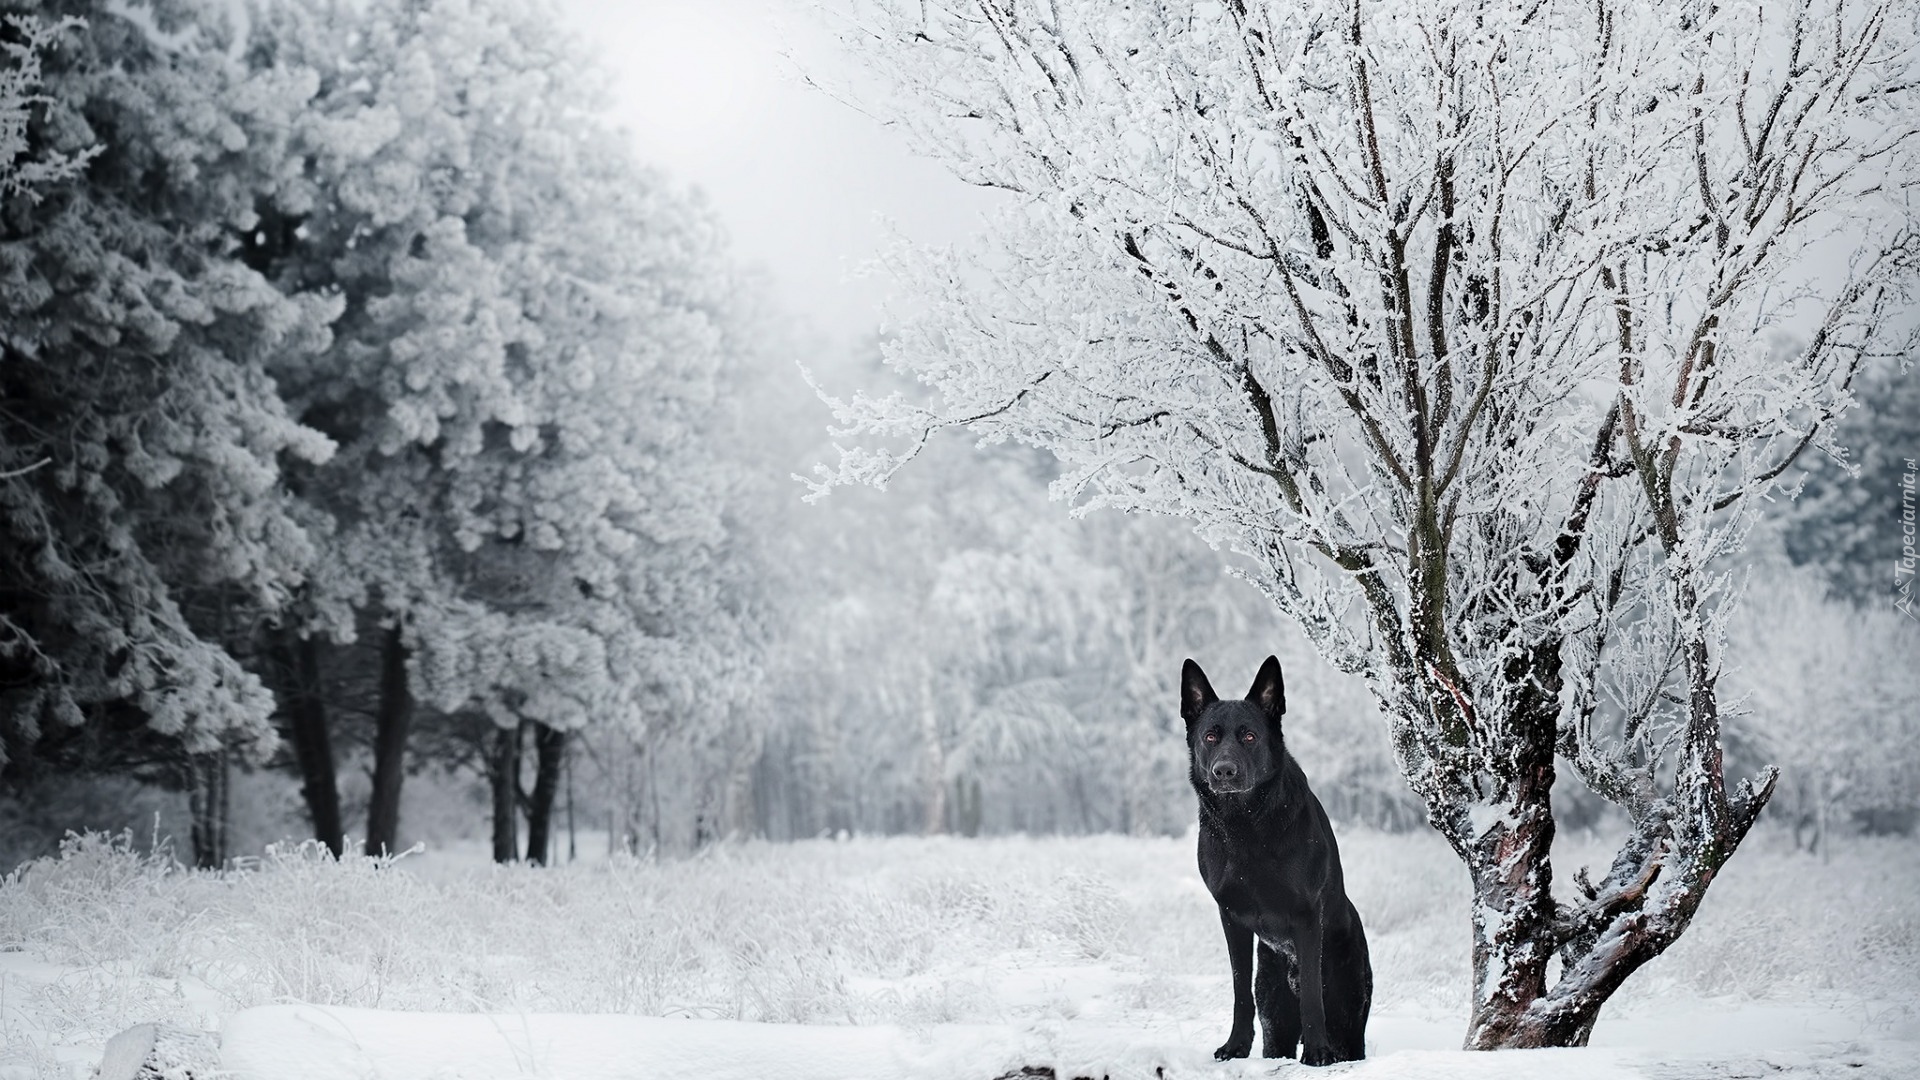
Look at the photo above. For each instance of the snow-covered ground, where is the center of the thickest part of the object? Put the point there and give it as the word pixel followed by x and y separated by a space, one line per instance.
pixel 893 957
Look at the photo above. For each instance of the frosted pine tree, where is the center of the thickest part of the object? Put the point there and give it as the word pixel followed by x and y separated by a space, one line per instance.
pixel 532 329
pixel 144 527
pixel 1467 323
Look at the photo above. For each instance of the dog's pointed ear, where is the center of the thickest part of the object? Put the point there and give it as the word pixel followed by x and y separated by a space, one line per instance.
pixel 1195 692
pixel 1269 689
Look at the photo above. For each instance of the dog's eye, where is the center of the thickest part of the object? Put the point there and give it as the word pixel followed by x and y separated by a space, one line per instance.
pixel 1212 735
pixel 1247 737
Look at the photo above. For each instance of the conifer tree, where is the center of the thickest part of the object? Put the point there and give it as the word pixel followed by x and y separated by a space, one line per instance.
pixel 532 329
pixel 143 525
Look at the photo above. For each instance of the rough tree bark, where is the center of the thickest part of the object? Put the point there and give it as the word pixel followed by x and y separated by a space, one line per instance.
pixel 1644 903
pixel 392 721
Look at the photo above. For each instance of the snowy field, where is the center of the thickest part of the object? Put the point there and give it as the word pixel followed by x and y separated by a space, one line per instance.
pixel 893 957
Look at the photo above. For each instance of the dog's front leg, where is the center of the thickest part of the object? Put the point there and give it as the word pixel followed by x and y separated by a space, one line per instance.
pixel 1240 953
pixel 1315 1047
pixel 1277 1002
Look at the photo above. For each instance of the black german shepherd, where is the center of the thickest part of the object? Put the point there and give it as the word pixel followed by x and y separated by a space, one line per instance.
pixel 1267 853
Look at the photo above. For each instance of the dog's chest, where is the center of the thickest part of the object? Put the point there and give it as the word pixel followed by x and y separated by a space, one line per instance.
pixel 1256 890
pixel 1243 888
pixel 1230 880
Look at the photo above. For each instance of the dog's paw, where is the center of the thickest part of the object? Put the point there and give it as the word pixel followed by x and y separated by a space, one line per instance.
pixel 1236 1046
pixel 1317 1055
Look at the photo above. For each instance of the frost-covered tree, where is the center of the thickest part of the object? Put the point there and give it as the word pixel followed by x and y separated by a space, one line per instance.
pixel 1023 622
pixel 144 528
pixel 1464 322
pixel 958 657
pixel 1846 519
pixel 532 331
pixel 946 662
pixel 1827 690
pixel 926 656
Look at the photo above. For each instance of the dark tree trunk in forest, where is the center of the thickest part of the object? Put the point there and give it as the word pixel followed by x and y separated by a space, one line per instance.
pixel 503 776
pixel 550 750
pixel 573 837
pixel 207 798
pixel 391 723
pixel 297 662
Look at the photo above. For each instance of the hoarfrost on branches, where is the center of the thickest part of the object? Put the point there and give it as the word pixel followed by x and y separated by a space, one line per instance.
pixel 22 171
pixel 1468 323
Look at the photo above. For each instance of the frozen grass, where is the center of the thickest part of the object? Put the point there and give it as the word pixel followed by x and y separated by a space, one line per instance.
pixel 906 931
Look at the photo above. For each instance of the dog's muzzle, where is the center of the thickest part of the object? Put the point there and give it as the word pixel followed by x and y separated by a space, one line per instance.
pixel 1226 778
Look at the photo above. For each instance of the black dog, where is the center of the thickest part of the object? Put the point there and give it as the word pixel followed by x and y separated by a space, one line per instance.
pixel 1267 853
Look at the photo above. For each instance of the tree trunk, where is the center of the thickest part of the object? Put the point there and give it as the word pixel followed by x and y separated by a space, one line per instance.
pixel 1644 904
pixel 207 777
pixel 297 661
pixel 573 837
pixel 933 765
pixel 392 720
pixel 1832 789
pixel 966 802
pixel 1513 911
pixel 653 796
pixel 1642 923
pixel 550 751
pixel 503 777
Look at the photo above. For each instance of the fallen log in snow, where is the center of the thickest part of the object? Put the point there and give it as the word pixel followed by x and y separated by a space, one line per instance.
pixel 161 1052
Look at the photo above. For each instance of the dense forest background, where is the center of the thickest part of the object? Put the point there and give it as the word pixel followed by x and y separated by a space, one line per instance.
pixel 386 454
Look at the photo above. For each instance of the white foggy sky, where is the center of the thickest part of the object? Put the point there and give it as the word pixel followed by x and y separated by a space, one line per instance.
pixel 800 180
pixel 797 177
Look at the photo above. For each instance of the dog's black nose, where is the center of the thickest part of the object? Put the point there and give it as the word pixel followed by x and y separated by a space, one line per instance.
pixel 1225 770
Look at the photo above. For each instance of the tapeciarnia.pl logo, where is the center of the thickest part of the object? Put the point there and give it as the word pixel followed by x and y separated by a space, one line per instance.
pixel 1904 569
